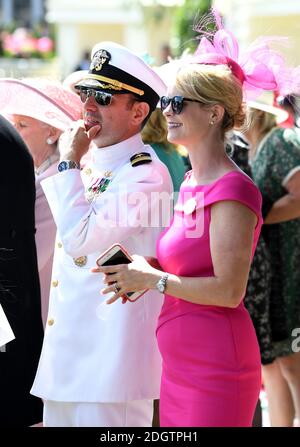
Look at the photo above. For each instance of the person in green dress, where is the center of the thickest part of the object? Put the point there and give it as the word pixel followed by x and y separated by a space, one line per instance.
pixel 275 163
pixel 155 133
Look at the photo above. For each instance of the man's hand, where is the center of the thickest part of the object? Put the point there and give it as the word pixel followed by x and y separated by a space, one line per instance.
pixel 75 141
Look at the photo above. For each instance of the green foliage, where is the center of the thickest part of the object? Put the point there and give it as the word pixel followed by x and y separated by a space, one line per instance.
pixel 184 19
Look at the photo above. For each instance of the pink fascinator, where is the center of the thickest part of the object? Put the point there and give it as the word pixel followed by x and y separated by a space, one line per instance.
pixel 259 68
pixel 42 99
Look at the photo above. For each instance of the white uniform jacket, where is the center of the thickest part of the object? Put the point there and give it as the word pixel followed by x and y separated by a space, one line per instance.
pixel 94 352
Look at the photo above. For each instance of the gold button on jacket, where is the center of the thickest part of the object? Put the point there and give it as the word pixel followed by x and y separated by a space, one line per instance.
pixel 87 171
pixel 81 261
pixel 54 283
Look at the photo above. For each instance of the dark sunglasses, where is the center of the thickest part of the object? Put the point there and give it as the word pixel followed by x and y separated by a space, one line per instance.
pixel 101 98
pixel 176 103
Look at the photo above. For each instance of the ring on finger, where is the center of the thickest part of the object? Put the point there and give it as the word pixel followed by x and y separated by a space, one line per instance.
pixel 117 288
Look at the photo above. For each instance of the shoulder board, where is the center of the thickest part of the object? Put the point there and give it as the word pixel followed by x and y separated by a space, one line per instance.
pixel 140 159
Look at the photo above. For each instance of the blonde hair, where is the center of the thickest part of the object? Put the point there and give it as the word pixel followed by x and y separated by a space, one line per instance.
pixel 261 120
pixel 214 84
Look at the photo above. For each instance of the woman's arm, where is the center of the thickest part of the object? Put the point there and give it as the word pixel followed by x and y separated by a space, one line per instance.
pixel 231 237
pixel 287 207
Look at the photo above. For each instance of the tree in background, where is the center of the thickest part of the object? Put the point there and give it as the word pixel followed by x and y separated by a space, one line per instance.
pixel 184 19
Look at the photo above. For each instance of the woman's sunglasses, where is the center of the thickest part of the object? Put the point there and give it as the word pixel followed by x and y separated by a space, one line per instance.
pixel 101 98
pixel 176 103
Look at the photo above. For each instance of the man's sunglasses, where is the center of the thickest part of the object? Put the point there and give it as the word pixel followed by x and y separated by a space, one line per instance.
pixel 176 103
pixel 101 98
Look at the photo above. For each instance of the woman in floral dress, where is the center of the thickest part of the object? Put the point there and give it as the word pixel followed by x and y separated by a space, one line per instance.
pixel 275 163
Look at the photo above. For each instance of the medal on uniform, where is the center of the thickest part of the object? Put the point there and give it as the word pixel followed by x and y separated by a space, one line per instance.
pixel 98 186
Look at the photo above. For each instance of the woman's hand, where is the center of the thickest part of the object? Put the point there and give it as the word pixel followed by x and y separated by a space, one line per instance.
pixel 138 275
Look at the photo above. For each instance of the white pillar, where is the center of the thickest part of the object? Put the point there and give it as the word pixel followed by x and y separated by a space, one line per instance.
pixel 37 11
pixel 135 38
pixel 67 38
pixel 7 7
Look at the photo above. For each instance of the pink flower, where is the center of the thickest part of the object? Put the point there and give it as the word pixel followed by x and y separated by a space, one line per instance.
pixel 10 44
pixel 28 45
pixel 44 44
pixel 22 43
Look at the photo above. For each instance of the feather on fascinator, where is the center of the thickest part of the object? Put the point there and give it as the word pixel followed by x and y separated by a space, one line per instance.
pixel 259 68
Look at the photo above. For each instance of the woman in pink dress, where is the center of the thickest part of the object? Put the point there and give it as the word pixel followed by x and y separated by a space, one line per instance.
pixel 211 360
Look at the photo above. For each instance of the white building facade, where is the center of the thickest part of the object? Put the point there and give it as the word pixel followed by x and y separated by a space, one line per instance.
pixel 250 19
pixel 22 12
pixel 81 24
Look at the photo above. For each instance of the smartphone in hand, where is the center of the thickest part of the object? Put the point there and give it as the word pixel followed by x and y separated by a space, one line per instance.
pixel 116 255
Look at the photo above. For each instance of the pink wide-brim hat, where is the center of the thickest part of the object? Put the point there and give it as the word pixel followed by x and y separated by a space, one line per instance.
pixel 45 100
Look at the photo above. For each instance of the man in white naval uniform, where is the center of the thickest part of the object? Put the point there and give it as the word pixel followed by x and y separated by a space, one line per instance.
pixel 100 364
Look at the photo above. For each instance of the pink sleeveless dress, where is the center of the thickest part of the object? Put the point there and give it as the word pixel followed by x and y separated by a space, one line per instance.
pixel 211 360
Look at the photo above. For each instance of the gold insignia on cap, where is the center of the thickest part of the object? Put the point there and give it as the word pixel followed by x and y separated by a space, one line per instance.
pixel 113 84
pixel 81 261
pixel 100 58
pixel 140 159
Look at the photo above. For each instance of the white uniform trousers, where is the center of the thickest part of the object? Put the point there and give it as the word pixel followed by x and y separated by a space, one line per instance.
pixel 137 413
